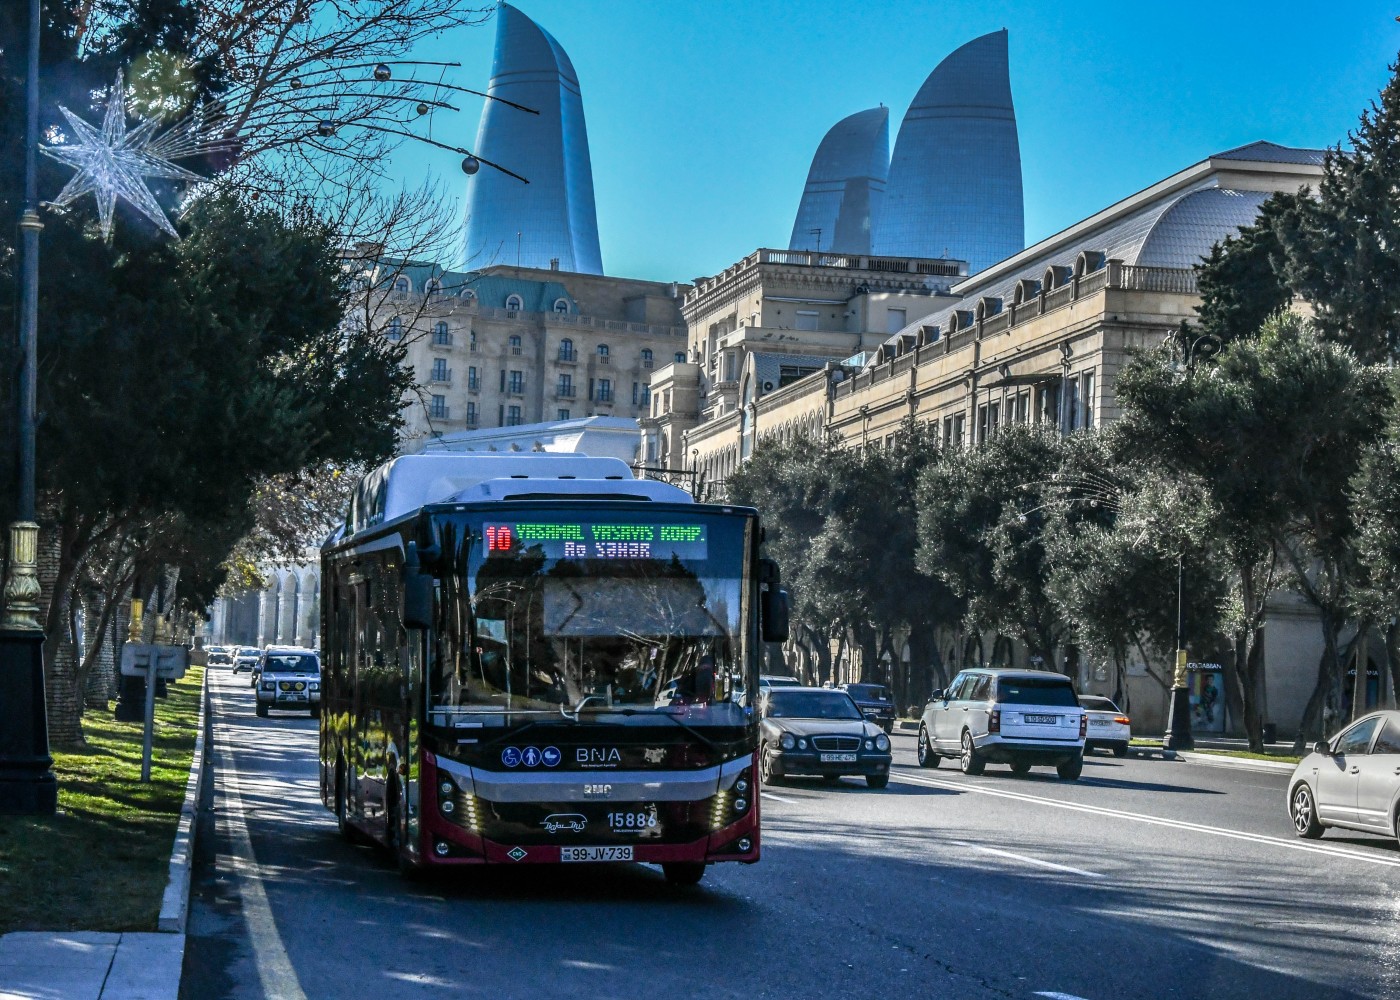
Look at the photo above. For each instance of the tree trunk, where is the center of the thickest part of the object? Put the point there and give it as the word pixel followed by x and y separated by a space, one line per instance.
pixel 1392 659
pixel 1325 701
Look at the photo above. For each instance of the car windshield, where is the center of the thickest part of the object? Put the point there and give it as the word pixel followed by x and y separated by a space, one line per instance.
pixel 1034 691
pixel 812 705
pixel 1097 704
pixel 868 692
pixel 639 614
pixel 287 663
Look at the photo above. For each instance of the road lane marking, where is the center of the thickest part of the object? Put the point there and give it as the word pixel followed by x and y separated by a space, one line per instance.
pixel 1057 996
pixel 1026 859
pixel 275 971
pixel 778 798
pixel 1217 831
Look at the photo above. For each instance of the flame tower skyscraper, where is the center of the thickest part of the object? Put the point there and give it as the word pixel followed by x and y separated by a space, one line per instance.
pixel 553 216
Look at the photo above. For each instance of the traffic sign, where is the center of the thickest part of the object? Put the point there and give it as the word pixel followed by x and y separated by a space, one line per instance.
pixel 170 661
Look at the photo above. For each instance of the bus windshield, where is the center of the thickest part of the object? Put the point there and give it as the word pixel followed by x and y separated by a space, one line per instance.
pixel 595 612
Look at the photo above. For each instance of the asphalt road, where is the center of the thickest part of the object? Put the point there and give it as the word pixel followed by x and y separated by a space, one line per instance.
pixel 1144 879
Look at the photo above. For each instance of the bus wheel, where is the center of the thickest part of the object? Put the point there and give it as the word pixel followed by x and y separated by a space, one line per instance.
pixel 393 838
pixel 683 872
pixel 342 818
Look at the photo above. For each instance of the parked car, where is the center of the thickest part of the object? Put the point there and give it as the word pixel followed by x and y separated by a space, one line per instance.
pixel 1350 781
pixel 819 731
pixel 289 677
pixel 874 702
pixel 245 658
pixel 1109 729
pixel 1023 718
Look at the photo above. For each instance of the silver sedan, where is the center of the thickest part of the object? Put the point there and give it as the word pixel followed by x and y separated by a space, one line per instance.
pixel 1351 780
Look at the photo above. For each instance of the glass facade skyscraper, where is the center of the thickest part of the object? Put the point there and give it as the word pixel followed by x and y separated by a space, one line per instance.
pixel 553 216
pixel 845 185
pixel 954 187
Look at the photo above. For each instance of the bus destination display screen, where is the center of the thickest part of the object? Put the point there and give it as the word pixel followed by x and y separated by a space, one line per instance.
pixel 581 540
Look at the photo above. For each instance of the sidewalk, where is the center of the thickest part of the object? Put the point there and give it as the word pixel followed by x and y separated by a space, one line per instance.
pixel 90 965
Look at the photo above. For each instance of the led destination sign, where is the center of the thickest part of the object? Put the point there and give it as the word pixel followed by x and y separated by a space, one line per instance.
pixel 561 540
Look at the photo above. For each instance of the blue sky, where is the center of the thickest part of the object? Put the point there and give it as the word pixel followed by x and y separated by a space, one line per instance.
pixel 703 115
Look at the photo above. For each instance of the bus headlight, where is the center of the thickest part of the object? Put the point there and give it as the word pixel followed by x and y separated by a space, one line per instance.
pixel 787 741
pixel 742 785
pixel 882 743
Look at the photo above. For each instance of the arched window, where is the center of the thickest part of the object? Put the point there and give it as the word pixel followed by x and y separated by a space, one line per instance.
pixel 468 294
pixel 646 357
pixel 514 303
pixel 515 344
pixel 566 349
pixel 441 335
pixel 401 287
pixel 432 288
pixel 602 351
pixel 561 305
pixel 395 328
pixel 472 343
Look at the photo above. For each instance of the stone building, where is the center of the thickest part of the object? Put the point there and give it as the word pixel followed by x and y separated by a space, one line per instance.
pixel 783 314
pixel 507 346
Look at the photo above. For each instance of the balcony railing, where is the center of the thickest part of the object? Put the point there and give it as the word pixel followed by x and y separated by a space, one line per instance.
pixel 565 392
pixel 568 356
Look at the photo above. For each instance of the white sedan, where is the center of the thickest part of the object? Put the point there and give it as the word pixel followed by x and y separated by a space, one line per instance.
pixel 1109 728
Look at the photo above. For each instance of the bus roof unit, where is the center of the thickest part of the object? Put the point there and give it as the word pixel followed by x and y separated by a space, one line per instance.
pixel 410 482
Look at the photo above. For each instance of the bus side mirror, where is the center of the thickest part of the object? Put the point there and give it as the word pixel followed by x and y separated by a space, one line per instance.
pixel 417 591
pixel 773 605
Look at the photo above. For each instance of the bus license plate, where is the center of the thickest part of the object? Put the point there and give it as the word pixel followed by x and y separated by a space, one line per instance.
pixel 595 853
pixel 838 758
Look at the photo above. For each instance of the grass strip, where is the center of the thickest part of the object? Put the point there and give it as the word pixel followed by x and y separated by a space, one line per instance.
pixel 101 863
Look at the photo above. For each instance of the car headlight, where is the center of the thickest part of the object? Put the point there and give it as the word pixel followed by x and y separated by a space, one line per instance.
pixel 268 685
pixel 802 744
pixel 882 743
pixel 870 744
pixel 787 741
pixel 315 687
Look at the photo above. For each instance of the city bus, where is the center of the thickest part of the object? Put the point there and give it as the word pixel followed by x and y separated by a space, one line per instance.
pixel 540 659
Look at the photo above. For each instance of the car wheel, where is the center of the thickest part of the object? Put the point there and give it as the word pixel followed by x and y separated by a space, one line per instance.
pixel 1071 769
pixel 1020 767
pixel 877 781
pixel 1121 750
pixel 765 766
pixel 1303 811
pixel 683 872
pixel 971 761
pixel 262 710
pixel 927 756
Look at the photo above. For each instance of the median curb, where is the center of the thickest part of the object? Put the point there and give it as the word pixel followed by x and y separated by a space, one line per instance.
pixel 175 904
pixel 1242 763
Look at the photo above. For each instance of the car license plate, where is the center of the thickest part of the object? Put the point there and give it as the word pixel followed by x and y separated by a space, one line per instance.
pixel 838 758
pixel 1042 720
pixel 595 853
pixel 1098 722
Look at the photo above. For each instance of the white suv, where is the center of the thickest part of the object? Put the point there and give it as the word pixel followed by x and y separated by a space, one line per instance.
pixel 289 677
pixel 1017 717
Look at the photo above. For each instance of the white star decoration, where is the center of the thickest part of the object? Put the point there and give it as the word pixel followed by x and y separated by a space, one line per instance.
pixel 112 162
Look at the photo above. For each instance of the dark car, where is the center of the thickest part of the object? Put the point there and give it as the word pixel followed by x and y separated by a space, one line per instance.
pixel 220 659
pixel 819 731
pixel 874 702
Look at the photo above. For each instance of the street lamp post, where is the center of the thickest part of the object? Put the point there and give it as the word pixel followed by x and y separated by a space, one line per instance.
pixel 1178 735
pixel 27 783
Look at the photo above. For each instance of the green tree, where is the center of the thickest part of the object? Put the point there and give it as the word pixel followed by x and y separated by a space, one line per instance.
pixel 1277 467
pixel 982 516
pixel 1241 280
pixel 1341 249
